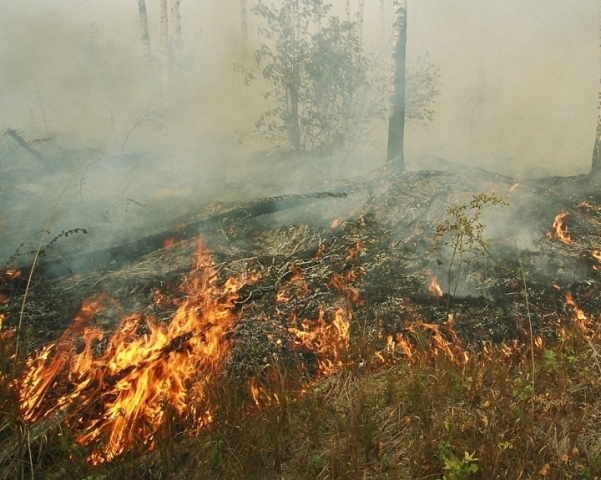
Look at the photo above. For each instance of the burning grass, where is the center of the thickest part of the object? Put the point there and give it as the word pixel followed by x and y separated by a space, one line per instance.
pixel 316 354
pixel 418 404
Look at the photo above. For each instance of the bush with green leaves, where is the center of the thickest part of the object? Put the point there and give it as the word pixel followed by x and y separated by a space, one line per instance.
pixel 462 232
pixel 317 73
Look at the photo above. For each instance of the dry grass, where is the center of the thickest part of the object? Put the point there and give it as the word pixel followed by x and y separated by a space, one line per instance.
pixel 449 413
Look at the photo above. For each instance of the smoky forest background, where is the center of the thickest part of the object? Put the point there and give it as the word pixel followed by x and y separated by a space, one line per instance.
pixel 161 106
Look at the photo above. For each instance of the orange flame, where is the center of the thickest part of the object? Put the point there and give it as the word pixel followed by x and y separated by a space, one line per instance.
pixel 12 274
pixel 582 321
pixel 336 223
pixel 341 283
pixel 319 252
pixel 169 243
pixel 596 254
pixel 355 251
pixel 328 340
pixel 560 231
pixel 139 378
pixel 434 288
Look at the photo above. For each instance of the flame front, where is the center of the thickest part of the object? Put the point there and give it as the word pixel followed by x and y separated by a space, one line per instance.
pixel 328 340
pixel 559 230
pixel 150 372
pixel 138 378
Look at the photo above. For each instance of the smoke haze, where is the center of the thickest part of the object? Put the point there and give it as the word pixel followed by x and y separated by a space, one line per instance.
pixel 519 86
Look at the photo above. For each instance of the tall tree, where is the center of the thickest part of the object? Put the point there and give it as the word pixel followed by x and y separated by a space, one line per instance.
pixel 596 163
pixel 176 35
pixel 144 30
pixel 360 14
pixel 396 125
pixel 165 51
pixel 244 25
pixel 318 77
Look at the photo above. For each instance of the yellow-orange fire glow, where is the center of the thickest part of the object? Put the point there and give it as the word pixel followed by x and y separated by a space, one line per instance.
pixel 434 288
pixel 139 377
pixel 582 321
pixel 341 283
pixel 117 392
pixel 355 251
pixel 559 230
pixel 513 187
pixel 328 340
pixel 169 243
pixel 336 223
pixel 596 254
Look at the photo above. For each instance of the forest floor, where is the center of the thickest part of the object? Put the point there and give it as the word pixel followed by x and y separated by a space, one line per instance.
pixel 341 355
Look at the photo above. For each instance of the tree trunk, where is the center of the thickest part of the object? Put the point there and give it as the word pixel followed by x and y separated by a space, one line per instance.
pixel 596 163
pixel 244 25
pixel 165 52
pixel 144 31
pixel 176 36
pixel 294 126
pixel 396 125
pixel 294 120
pixel 360 13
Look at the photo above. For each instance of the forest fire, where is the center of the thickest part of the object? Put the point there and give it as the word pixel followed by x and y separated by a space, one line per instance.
pixel 149 371
pixel 559 230
pixel 328 340
pixel 434 288
pixel 582 321
pixel 139 377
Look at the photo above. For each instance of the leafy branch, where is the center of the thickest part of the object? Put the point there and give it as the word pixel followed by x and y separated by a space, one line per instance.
pixel 463 232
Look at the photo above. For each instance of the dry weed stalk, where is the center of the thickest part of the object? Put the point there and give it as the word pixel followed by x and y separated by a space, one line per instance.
pixel 35 259
pixel 523 275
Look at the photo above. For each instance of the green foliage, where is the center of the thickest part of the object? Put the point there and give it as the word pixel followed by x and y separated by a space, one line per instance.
pixel 457 468
pixel 522 391
pixel 422 83
pixel 317 72
pixel 463 233
pixel 217 453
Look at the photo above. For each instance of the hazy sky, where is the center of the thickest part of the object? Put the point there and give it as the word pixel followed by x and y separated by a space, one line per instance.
pixel 519 89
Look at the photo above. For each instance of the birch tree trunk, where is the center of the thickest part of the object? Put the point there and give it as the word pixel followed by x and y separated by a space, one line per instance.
pixel 165 52
pixel 144 31
pixel 293 88
pixel 396 125
pixel 596 163
pixel 244 25
pixel 360 13
pixel 176 36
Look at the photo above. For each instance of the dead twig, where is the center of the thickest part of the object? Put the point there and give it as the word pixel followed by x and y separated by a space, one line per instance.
pixel 35 259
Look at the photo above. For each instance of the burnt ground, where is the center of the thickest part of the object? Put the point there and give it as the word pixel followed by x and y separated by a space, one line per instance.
pixel 376 231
